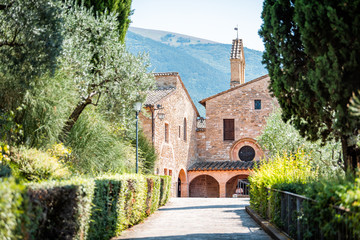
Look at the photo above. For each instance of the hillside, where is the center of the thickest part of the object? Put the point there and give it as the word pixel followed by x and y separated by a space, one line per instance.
pixel 203 65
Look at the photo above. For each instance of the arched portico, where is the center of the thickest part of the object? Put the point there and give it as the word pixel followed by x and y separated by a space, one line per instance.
pixel 222 177
pixel 204 186
pixel 182 186
pixel 231 184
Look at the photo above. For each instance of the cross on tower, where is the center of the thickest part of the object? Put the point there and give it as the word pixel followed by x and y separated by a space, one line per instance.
pixel 237 31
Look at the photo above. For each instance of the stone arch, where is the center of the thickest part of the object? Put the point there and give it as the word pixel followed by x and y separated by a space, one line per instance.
pixel 232 183
pixel 234 156
pixel 204 186
pixel 182 184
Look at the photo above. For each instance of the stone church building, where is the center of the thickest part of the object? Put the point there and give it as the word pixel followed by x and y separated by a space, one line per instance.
pixel 207 157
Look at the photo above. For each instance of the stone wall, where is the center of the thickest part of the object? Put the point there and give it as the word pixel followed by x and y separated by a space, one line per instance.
pixel 178 153
pixel 238 104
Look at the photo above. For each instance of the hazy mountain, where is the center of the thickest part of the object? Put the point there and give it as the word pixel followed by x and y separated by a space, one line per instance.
pixel 203 65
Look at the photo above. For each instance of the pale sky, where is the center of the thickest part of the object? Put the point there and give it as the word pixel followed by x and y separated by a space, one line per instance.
pixel 209 19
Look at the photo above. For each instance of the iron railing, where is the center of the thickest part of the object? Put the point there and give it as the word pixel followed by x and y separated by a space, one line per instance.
pixel 293 219
pixel 242 188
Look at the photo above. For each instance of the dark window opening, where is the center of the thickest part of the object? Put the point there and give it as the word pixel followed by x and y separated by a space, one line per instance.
pixel 185 133
pixel 229 129
pixel 257 104
pixel 166 132
pixel 246 153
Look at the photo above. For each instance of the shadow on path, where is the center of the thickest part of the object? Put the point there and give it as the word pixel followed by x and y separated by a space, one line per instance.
pixel 203 236
pixel 203 207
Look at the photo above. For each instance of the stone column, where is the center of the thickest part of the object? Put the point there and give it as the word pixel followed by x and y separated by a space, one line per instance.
pixel 222 190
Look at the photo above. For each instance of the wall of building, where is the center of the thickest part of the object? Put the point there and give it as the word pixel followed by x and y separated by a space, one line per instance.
pixel 177 154
pixel 237 104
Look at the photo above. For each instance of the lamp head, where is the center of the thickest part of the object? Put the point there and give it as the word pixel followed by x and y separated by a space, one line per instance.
pixel 137 106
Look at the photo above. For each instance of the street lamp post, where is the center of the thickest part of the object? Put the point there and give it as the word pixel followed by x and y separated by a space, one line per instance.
pixel 137 108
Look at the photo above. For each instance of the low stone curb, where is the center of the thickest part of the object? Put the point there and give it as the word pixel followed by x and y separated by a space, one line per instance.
pixel 267 226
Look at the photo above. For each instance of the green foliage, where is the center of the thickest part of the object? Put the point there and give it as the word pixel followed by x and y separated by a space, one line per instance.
pixel 153 193
pixel 286 169
pixel 105 73
pixel 79 208
pixel 165 188
pixel 35 165
pixel 122 201
pixel 96 148
pixel 312 69
pixel 283 137
pixel 30 41
pixel 355 104
pixel 10 208
pixel 46 108
pixel 59 210
pixel 147 154
pixel 335 191
pixel 122 8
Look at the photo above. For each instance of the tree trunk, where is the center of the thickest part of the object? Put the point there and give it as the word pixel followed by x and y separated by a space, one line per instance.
pixel 351 155
pixel 73 118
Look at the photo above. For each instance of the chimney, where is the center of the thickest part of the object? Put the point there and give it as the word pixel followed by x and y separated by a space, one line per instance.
pixel 237 63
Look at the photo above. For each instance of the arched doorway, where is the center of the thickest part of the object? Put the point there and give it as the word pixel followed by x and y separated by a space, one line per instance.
pixel 181 187
pixel 204 186
pixel 231 185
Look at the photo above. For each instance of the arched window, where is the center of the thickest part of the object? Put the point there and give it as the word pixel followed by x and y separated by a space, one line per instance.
pixel 185 132
pixel 166 132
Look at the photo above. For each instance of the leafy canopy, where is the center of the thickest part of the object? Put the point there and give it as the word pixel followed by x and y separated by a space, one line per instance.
pixel 30 41
pixel 313 54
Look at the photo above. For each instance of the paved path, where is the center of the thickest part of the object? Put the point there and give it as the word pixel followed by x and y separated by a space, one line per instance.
pixel 198 218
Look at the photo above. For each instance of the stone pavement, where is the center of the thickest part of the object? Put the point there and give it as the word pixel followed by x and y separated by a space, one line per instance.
pixel 198 218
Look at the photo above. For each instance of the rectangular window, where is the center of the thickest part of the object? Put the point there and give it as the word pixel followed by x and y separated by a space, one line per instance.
pixel 165 171
pixel 170 172
pixel 185 133
pixel 257 104
pixel 229 129
pixel 166 132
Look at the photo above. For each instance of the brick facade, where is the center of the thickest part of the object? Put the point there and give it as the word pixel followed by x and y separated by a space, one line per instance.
pixel 178 153
pixel 243 109
pixel 237 103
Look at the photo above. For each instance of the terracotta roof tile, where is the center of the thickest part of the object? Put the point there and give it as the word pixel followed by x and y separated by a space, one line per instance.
pixel 203 102
pixel 154 96
pixel 222 165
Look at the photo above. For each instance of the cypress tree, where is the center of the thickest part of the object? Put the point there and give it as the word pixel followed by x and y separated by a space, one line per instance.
pixel 121 7
pixel 312 53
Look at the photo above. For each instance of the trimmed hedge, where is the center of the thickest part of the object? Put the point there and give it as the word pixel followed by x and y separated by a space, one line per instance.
pixel 80 208
pixel 10 208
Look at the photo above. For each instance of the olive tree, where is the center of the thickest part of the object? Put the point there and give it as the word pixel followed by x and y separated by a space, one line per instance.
pixel 103 69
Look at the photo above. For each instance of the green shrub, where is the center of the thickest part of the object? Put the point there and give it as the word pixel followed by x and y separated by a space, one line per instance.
pixel 165 188
pixel 79 208
pixel 336 191
pixel 105 212
pixel 96 148
pixel 153 194
pixel 286 170
pixel 279 136
pixel 11 200
pixel 34 165
pixel 133 201
pixel 121 201
pixel 59 210
pixel 147 154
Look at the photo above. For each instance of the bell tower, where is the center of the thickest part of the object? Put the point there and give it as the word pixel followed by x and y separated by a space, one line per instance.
pixel 237 63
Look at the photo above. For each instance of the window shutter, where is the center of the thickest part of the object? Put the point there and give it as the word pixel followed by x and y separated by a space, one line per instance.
pixel 229 127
